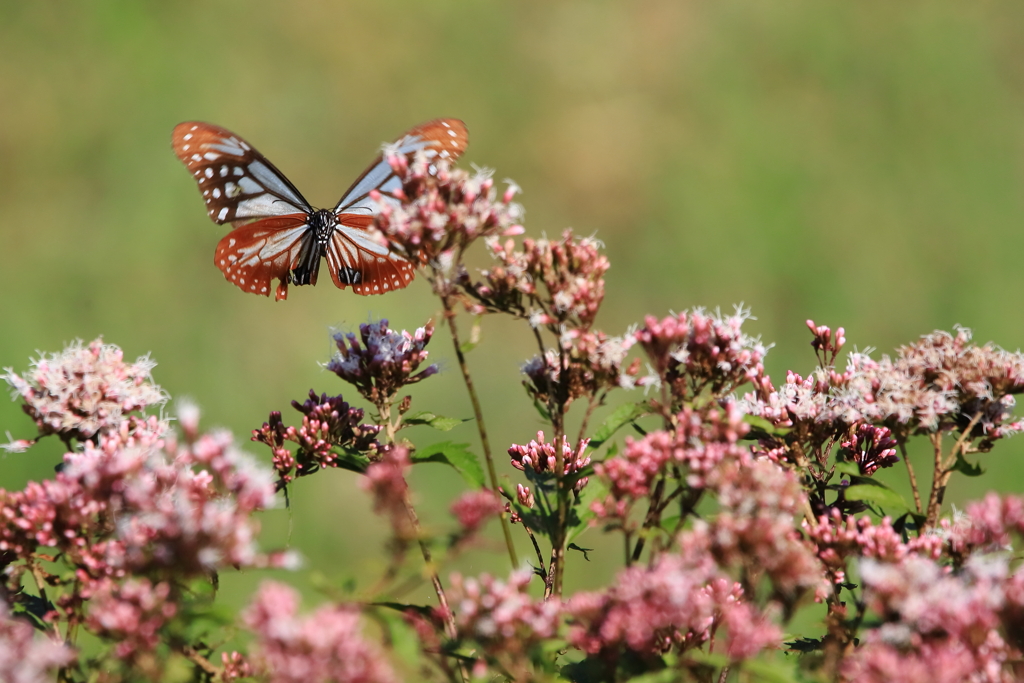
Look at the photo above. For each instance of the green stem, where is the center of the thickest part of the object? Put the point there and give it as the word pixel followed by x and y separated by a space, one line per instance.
pixel 449 314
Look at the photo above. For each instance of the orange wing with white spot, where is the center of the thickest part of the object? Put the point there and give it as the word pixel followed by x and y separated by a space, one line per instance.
pixel 360 262
pixel 253 255
pixel 237 182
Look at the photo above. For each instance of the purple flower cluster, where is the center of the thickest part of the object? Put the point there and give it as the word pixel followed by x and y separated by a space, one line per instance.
pixel 872 447
pixel 381 361
pixel 329 425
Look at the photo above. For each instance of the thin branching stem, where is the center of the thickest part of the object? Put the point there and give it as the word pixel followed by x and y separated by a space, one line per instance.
pixel 449 314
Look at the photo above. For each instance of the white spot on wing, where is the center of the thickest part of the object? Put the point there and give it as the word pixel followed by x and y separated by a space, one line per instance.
pixel 223 214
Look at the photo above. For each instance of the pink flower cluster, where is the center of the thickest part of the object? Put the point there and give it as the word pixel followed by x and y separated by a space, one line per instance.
pixel 440 210
pixel 473 508
pixel 872 447
pixel 989 525
pixel 541 458
pixel 25 658
pixel 934 382
pixel 696 350
pixel 327 646
pixel 501 616
pixel 84 390
pixel 677 604
pixel 756 527
pixel 838 540
pixel 700 441
pixel 592 362
pixel 385 481
pixel 328 424
pixel 553 282
pixel 384 362
pixel 936 617
pixel 130 614
pixel 119 505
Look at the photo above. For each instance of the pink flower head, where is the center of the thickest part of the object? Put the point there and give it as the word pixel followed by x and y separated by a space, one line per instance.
pixel 701 440
pixel 551 282
pixel 439 211
pixel 695 350
pixel 384 361
pixel 85 390
pixel 838 541
pixel 26 657
pixel 473 508
pixel 501 616
pixel 674 605
pixel 540 457
pixel 131 614
pixel 385 480
pixel 872 447
pixel 328 645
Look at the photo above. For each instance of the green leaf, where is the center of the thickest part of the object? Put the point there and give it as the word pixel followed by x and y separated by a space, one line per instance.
pixel 474 337
pixel 541 409
pixel 402 637
pixel 457 456
pixel 967 468
pixel 573 546
pixel 876 493
pixel 775 670
pixel 621 416
pixel 438 422
pixel 663 676
pixel 848 468
pixel 760 424
pixel 351 461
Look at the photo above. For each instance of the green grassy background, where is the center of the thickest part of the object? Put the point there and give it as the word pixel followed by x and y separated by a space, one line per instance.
pixel 855 163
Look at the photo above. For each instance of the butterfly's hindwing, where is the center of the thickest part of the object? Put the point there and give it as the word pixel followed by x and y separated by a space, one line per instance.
pixel 254 254
pixel 355 260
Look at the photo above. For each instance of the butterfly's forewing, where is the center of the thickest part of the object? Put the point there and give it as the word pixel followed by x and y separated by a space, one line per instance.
pixel 252 255
pixel 238 183
pixel 443 138
pixel 354 258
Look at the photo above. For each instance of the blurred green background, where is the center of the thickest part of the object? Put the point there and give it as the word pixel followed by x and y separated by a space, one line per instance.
pixel 855 163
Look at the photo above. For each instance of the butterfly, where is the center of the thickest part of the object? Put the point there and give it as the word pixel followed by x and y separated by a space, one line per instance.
pixel 277 234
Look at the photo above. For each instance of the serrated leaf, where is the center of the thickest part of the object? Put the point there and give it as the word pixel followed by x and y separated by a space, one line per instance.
pixel 621 416
pixel 967 468
pixel 456 455
pixel 438 422
pixel 881 495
